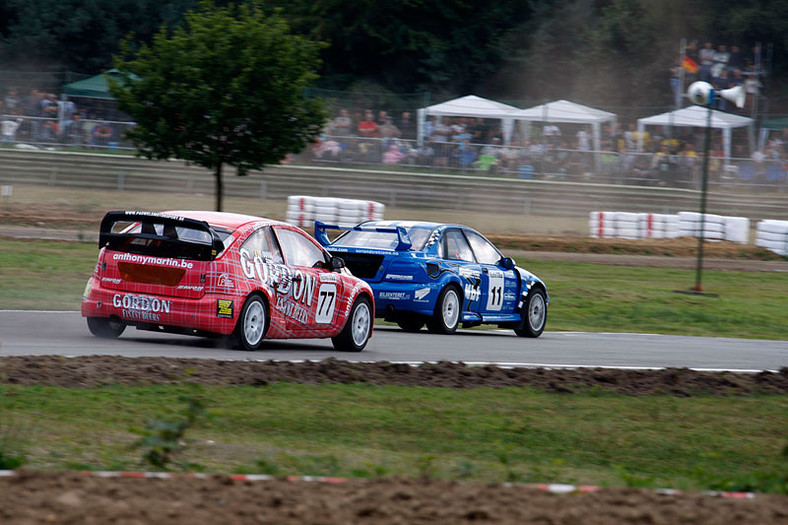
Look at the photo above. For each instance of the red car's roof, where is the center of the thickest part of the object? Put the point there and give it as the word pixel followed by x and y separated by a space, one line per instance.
pixel 231 221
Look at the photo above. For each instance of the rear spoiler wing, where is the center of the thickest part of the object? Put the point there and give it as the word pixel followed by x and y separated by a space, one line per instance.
pixel 404 243
pixel 164 241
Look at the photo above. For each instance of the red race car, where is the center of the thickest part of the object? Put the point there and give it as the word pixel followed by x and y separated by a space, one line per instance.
pixel 240 277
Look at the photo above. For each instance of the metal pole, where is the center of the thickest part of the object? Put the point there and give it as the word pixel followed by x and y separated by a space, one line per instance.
pixel 703 189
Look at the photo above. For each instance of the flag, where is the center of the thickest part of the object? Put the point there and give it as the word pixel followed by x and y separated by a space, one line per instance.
pixel 689 64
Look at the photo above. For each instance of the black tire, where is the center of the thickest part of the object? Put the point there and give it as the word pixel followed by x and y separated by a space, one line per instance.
pixel 410 323
pixel 448 308
pixel 534 315
pixel 252 324
pixel 106 327
pixel 358 328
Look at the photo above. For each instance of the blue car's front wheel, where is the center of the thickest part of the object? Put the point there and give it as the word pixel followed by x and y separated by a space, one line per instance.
pixel 447 312
pixel 534 315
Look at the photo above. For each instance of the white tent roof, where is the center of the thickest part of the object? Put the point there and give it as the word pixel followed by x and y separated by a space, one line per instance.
pixel 564 111
pixel 471 106
pixel 696 116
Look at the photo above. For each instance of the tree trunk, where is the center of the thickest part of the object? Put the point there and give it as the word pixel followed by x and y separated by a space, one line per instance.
pixel 219 187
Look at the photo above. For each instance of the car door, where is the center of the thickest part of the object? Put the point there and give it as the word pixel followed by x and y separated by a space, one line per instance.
pixel 312 302
pixel 499 286
pixel 455 248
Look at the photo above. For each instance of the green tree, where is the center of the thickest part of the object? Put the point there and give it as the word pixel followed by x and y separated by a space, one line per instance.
pixel 226 88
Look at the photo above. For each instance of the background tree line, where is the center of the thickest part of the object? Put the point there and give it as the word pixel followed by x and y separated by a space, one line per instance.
pixel 611 53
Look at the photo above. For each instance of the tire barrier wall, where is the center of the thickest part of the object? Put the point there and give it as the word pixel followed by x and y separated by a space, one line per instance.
pixel 396 189
pixel 304 210
pixel 773 235
pixel 623 225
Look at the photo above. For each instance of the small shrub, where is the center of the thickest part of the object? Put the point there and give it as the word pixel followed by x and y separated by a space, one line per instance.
pixel 163 438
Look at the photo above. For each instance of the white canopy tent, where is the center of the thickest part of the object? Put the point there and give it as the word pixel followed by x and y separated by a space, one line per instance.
pixel 566 112
pixel 697 117
pixel 470 106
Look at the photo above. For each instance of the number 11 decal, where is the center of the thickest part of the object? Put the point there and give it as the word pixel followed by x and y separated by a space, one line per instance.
pixel 326 302
pixel 495 291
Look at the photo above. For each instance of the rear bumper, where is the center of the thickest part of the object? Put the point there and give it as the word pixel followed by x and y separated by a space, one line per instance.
pixel 211 313
pixel 418 298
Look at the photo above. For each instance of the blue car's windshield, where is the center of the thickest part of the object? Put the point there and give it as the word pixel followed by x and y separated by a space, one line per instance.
pixel 383 240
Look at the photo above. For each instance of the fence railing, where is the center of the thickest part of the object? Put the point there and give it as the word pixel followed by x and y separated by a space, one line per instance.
pixel 42 132
pixel 544 162
pixel 535 161
pixel 413 189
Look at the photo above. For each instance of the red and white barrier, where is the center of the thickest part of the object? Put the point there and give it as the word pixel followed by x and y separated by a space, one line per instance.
pixel 773 235
pixel 623 225
pixel 303 210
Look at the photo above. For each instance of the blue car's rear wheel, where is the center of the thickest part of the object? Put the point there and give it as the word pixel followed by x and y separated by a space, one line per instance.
pixel 447 312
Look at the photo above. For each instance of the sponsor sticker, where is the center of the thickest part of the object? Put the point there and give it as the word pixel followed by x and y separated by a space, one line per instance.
pixel 161 261
pixel 421 294
pixel 224 308
pixel 394 296
pixel 141 307
pixel 397 277
pixel 225 281
pixel 86 293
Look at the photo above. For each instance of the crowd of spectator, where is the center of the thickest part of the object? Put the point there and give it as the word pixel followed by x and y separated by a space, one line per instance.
pixel 41 118
pixel 659 156
pixel 723 67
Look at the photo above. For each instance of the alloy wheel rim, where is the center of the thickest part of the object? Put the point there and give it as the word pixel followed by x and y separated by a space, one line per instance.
pixel 360 324
pixel 451 310
pixel 536 312
pixel 254 322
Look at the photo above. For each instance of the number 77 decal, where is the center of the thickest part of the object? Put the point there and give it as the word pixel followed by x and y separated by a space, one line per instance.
pixel 326 302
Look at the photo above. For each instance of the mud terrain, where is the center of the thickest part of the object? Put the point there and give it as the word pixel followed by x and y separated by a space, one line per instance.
pixel 71 497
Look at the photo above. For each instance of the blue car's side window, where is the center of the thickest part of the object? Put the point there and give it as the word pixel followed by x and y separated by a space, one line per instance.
pixel 457 247
pixel 485 252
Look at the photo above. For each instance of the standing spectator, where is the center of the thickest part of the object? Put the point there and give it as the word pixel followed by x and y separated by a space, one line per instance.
pixel 429 127
pixel 721 58
pixel 552 134
pixel 8 128
pixel 342 125
pixel 407 126
pixel 388 130
pixel 736 59
pixel 583 140
pixel 72 130
pixel 12 102
pixel 382 116
pixel 101 134
pixel 368 128
pixel 706 55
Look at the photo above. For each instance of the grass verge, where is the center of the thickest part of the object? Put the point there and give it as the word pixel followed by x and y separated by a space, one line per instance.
pixel 481 434
pixel 51 275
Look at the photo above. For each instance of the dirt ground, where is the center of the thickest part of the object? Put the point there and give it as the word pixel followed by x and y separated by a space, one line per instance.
pixel 69 498
pixel 30 497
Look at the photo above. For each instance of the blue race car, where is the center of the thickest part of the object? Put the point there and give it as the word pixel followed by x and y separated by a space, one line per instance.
pixel 440 275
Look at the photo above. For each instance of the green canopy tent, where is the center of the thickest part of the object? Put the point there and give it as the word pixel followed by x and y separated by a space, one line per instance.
pixel 93 88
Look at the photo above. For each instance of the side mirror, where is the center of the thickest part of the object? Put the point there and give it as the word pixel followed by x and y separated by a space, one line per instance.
pixel 337 263
pixel 507 263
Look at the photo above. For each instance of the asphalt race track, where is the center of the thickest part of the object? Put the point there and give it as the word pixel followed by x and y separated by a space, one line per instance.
pixel 65 333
